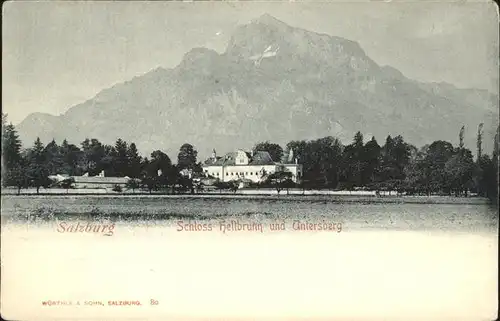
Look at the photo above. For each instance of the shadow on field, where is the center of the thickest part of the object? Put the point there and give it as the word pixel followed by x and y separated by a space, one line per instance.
pixel 95 214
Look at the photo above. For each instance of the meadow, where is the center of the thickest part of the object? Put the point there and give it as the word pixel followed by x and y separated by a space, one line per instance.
pixel 356 212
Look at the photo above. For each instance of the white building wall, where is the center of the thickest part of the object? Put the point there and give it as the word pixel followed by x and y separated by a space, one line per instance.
pixel 251 172
pixel 241 158
pixel 215 171
pixel 294 169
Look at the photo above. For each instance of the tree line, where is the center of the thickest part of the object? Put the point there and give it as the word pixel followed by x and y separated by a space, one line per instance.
pixel 436 168
pixel 31 167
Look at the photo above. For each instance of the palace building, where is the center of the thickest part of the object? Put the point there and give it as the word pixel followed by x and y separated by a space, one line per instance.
pixel 252 166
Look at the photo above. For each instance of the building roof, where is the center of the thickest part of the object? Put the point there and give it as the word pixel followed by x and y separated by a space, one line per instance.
pixel 100 180
pixel 261 158
pixel 258 158
pixel 59 177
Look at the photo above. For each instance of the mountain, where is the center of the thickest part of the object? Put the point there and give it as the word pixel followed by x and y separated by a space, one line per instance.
pixel 274 82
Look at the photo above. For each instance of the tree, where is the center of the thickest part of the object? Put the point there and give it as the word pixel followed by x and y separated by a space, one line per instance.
pixel 198 170
pixel 13 169
pixel 107 163
pixel 395 156
pixel 67 183
pixel 17 176
pixel 371 161
pixel 487 173
pixel 417 173
pixel 150 183
pixel 386 163
pixel 149 175
pixel 200 187
pixel 134 161
pixel 320 159
pixel 38 173
pixel 486 177
pixel 93 153
pixel 71 156
pixel 133 184
pixel 459 170
pixel 160 160
pixel 186 159
pixel 323 167
pixel 353 162
pixel 158 171
pixel 274 150
pixel 54 158
pixel 358 140
pixel 185 184
pixel 401 155
pixel 299 148
pixel 231 185
pixel 4 120
pixel 162 168
pixel 461 137
pixel 11 147
pixel 280 180
pixel 438 154
pixel 496 142
pixel 220 185
pixel 120 158
pixel 493 191
pixel 479 141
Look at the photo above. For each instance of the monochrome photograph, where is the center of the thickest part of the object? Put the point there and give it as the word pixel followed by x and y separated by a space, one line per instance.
pixel 272 160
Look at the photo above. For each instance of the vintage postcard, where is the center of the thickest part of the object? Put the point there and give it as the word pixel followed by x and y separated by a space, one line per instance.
pixel 249 160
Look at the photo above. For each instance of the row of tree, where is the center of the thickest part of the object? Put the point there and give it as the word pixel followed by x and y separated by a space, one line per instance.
pixel 438 167
pixel 32 167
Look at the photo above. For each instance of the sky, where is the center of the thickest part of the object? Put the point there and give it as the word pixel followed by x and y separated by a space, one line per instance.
pixel 58 54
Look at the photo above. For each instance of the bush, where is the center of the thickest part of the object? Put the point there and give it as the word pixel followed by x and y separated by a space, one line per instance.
pixel 133 184
pixel 67 183
pixel 117 188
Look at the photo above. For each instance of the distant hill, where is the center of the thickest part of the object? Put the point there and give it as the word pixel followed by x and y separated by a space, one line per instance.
pixel 274 82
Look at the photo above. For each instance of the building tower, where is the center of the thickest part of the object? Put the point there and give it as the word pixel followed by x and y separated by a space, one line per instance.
pixel 290 156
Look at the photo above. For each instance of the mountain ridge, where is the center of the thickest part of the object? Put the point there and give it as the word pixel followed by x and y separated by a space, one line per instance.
pixel 271 83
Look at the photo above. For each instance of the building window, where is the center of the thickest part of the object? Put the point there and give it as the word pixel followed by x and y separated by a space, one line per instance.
pixel 206 171
pixel 246 173
pixel 217 174
pixel 227 173
pixel 232 174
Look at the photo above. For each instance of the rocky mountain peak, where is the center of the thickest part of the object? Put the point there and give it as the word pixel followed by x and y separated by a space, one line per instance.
pixel 274 82
pixel 270 21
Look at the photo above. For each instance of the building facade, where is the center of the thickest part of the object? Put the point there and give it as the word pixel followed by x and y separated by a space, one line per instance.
pixel 252 166
pixel 100 181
